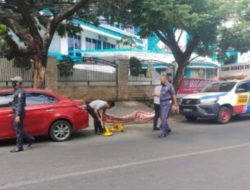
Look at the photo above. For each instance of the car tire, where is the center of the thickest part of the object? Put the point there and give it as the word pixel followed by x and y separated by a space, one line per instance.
pixel 60 130
pixel 191 118
pixel 224 115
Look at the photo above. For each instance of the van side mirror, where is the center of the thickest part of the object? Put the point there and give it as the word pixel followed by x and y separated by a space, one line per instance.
pixel 240 90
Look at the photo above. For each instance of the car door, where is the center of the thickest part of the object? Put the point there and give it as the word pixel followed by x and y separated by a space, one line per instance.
pixel 6 116
pixel 243 96
pixel 39 111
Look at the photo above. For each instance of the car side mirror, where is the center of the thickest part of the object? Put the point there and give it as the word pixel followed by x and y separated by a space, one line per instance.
pixel 240 90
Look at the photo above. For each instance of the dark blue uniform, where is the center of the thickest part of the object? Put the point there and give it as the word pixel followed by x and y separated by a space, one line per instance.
pixel 167 92
pixel 18 106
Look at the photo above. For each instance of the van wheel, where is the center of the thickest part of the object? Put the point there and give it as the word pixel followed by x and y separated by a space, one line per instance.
pixel 60 131
pixel 191 118
pixel 225 115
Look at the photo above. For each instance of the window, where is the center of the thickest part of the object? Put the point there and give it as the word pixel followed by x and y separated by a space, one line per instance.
pixel 38 98
pixel 219 87
pixel 245 87
pixel 5 100
pixel 197 73
pixel 74 42
pixel 93 44
pixel 107 45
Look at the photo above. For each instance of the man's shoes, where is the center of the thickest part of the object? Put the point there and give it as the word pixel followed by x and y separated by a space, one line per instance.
pixel 156 129
pixel 16 150
pixel 98 133
pixel 31 142
pixel 169 131
pixel 162 135
pixel 165 134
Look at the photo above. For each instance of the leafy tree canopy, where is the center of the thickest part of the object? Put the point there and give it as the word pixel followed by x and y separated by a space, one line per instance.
pixel 200 19
pixel 236 33
pixel 31 25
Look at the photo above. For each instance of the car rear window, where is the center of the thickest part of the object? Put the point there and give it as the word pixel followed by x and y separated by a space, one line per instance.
pixel 39 98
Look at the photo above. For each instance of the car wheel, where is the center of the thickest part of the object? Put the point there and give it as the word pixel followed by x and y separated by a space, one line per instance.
pixel 60 131
pixel 191 118
pixel 225 115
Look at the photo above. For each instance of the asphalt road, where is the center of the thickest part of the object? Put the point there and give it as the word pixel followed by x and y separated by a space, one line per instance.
pixel 201 155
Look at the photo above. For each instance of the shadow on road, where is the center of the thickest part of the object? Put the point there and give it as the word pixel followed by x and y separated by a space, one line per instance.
pixel 213 121
pixel 82 134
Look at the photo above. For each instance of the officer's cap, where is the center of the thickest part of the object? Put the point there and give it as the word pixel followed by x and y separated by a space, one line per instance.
pixel 17 79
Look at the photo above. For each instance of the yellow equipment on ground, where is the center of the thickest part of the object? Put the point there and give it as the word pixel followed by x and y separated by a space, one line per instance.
pixel 107 132
pixel 116 127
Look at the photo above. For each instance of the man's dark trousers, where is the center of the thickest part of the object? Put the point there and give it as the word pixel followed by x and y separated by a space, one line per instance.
pixel 157 115
pixel 97 123
pixel 165 108
pixel 20 133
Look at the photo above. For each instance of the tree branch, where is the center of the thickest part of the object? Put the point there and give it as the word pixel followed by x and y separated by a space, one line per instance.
pixel 162 37
pixel 52 24
pixel 173 45
pixel 18 52
pixel 19 31
pixel 49 34
pixel 29 19
pixel 191 46
pixel 193 58
pixel 70 11
pixel 12 44
pixel 179 38
pixel 171 42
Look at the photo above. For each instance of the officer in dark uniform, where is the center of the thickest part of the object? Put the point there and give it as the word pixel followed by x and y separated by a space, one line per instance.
pixel 167 98
pixel 18 106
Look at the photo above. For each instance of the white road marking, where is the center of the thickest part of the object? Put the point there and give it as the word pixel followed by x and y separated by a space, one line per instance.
pixel 121 166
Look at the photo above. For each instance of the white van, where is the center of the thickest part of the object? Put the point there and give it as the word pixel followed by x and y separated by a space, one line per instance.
pixel 219 100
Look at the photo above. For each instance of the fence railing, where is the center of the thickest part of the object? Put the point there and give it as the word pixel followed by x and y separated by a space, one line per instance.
pixel 7 71
pixel 91 75
pixel 142 80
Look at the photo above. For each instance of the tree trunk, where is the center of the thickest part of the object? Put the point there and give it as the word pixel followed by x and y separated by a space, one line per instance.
pixel 179 75
pixel 39 72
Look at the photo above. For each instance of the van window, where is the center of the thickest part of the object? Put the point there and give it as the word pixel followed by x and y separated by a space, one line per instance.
pixel 245 87
pixel 219 87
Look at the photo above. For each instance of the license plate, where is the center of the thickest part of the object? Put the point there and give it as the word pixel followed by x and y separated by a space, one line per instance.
pixel 187 110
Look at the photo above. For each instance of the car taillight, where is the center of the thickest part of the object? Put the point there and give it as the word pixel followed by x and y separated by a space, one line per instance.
pixel 82 107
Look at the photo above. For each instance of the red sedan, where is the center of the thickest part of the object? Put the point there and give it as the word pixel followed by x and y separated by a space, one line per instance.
pixel 47 114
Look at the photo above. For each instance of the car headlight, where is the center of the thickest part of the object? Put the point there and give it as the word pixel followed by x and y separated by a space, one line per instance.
pixel 209 101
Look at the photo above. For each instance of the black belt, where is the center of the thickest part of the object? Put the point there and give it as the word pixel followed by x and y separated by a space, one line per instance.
pixel 165 100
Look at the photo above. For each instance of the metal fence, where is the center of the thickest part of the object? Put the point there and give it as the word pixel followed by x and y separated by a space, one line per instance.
pixel 140 80
pixel 91 75
pixel 7 70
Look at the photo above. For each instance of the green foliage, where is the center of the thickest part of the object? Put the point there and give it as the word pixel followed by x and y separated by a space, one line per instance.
pixel 200 19
pixel 229 59
pixel 127 41
pixel 22 62
pixel 68 28
pixel 196 17
pixel 3 29
pixel 135 66
pixel 237 36
pixel 3 33
pixel 65 66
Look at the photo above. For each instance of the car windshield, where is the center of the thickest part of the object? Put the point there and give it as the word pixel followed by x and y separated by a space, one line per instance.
pixel 219 87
